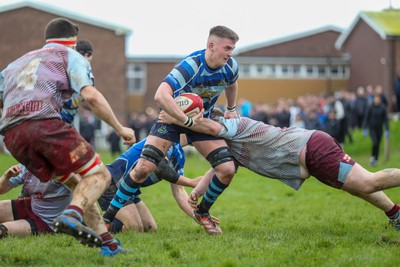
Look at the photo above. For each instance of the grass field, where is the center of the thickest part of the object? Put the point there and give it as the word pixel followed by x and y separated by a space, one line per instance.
pixel 265 223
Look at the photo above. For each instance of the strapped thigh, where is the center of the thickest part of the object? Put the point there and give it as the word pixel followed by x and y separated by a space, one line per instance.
pixel 219 156
pixel 152 153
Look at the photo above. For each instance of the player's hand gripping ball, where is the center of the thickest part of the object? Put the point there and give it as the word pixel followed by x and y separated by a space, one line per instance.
pixel 190 103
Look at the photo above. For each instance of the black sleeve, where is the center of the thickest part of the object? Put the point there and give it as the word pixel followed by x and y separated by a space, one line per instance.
pixel 166 172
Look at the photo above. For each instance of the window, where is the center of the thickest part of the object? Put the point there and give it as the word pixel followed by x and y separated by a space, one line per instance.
pixel 296 71
pixel 310 71
pixel 245 70
pixel 136 75
pixel 270 70
pixel 322 71
pixel 290 71
pixel 260 70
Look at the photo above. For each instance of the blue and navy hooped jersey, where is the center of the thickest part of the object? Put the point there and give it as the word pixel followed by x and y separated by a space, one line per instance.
pixel 193 75
pixel 70 108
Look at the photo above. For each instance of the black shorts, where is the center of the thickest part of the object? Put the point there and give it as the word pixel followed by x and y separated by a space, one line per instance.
pixel 171 132
pixel 326 160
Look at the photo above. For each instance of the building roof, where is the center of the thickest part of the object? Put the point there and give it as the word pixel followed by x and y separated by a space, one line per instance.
pixel 385 23
pixel 118 29
pixel 288 38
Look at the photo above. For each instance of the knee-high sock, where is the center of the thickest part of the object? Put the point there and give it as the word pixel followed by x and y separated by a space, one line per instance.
pixel 215 189
pixel 126 190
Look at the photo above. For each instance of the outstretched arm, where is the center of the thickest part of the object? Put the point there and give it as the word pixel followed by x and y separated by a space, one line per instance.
pixel 181 197
pixel 101 108
pixel 201 125
pixel 200 189
pixel 11 172
pixel 185 181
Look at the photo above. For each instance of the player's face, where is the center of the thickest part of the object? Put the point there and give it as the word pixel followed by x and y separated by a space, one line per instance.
pixel 222 51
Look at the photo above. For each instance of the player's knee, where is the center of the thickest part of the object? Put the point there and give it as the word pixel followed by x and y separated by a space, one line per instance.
pixel 366 185
pixel 134 225
pixel 3 231
pixel 150 227
pixel 152 154
pixel 221 159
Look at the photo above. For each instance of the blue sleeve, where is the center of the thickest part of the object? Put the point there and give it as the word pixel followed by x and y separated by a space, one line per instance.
pixel 18 180
pixel 79 70
pixel 235 71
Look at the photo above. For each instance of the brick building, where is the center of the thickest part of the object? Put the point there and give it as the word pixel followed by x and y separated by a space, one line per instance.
pixel 373 44
pixel 22 29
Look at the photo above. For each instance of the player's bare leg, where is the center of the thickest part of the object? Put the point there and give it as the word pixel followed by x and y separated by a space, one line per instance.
pixel 218 155
pixel 361 180
pixel 85 194
pixel 153 151
pixel 149 224
pixel 368 186
pixel 130 218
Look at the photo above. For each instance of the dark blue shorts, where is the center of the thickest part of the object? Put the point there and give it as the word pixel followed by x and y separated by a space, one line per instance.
pixel 172 133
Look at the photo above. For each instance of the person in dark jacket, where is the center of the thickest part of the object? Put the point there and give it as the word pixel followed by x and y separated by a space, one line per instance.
pixel 375 119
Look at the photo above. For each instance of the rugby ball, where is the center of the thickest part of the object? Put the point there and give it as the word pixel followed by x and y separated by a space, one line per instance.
pixel 190 103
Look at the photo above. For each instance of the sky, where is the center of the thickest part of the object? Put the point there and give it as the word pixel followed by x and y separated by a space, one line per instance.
pixel 179 27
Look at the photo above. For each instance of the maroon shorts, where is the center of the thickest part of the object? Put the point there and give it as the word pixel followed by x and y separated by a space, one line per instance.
pixel 22 209
pixel 326 160
pixel 48 147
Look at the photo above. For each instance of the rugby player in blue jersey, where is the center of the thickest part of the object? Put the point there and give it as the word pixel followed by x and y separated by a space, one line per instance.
pixel 208 73
pixel 134 214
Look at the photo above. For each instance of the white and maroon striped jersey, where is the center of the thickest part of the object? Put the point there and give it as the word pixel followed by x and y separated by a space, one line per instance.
pixel 265 149
pixel 36 85
pixel 48 199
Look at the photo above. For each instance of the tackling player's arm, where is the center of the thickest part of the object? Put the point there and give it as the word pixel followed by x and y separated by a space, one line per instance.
pixel 201 125
pixel 164 99
pixel 101 108
pixel 11 172
pixel 181 197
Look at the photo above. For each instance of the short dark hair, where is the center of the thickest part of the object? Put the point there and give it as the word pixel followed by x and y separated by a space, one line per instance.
pixel 84 47
pixel 60 28
pixel 224 32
